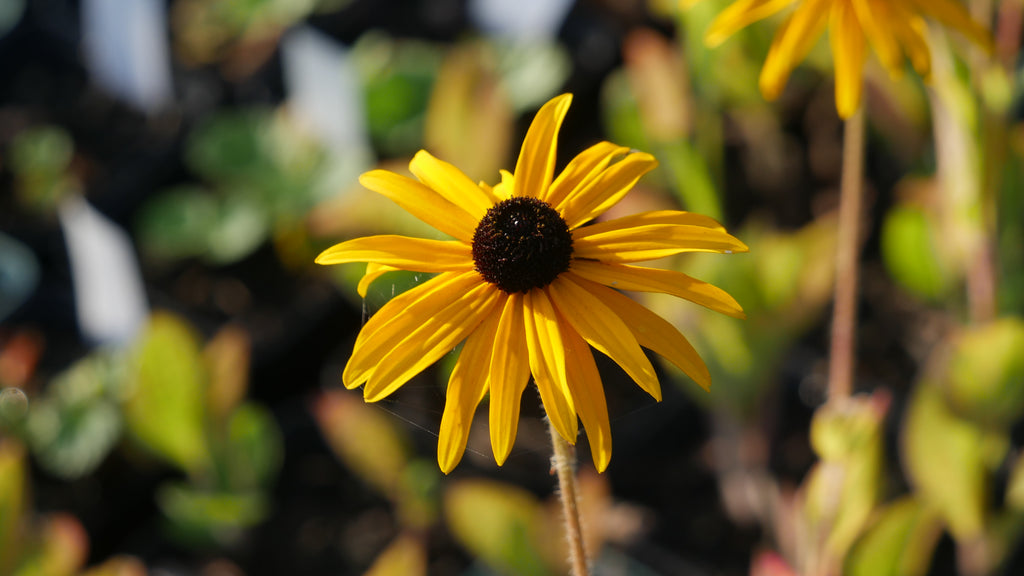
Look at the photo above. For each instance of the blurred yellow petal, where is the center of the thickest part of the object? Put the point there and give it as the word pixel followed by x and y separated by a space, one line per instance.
pixel 604 330
pixel 654 333
pixel 848 52
pixel 536 164
pixel 422 202
pixel 509 374
pixel 588 395
pixel 912 32
pixel 450 182
pixel 671 282
pixel 650 242
pixel 581 171
pixel 955 15
pixel 435 336
pixel 740 15
pixel 607 189
pixel 402 252
pixel 389 326
pixel 874 16
pixel 547 362
pixel 467 386
pixel 792 42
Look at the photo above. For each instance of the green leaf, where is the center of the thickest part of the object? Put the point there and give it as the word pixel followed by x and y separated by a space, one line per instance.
pixel 945 461
pixel 910 253
pixel 177 223
pixel 13 502
pixel 201 517
pixel 165 407
pixel 900 542
pixel 985 379
pixel 497 523
pixel 254 448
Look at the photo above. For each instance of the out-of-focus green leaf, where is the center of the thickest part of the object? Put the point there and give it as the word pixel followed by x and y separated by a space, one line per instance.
pixel 398 76
pixel 1015 487
pixel 201 517
pixel 945 461
pixel 177 223
pixel 406 556
pixel 469 121
pixel 364 439
pixel 899 542
pixel 74 427
pixel 911 254
pixel 118 566
pixel 985 378
pixel 497 523
pixel 254 448
pixel 10 13
pixel 40 158
pixel 13 502
pixel 227 359
pixel 531 72
pixel 166 404
pixel 844 487
pixel 239 227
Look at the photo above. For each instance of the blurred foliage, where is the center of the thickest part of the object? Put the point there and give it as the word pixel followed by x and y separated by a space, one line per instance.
pixel 40 160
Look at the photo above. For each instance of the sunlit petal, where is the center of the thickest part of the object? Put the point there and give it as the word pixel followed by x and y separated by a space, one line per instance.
pixel 848 52
pixel 393 322
pixel 373 271
pixel 607 189
pixel 673 217
pixel 422 202
pixel 582 171
pixel 604 330
pixel 792 42
pixel 641 279
pixel 547 362
pixel 467 386
pixel 536 164
pixel 435 336
pixel 450 182
pixel 588 395
pixel 654 333
pixel 873 16
pixel 509 374
pixel 740 15
pixel 402 252
pixel 650 242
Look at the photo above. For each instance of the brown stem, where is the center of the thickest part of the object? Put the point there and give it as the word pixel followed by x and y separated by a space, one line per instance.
pixel 844 311
pixel 563 461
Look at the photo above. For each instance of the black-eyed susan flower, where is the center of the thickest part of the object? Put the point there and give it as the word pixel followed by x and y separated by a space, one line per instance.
pixel 528 287
pixel 895 29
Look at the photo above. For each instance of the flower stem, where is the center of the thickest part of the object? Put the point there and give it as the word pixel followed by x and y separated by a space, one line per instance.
pixel 844 311
pixel 563 461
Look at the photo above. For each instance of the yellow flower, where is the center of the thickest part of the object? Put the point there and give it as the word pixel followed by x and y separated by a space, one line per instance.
pixel 528 288
pixel 894 28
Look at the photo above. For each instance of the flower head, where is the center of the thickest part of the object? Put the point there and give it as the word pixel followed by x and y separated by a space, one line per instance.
pixel 528 288
pixel 894 28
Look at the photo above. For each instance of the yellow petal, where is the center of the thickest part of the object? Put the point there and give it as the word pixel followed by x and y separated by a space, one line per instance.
pixel 607 189
pixel 509 374
pixel 874 17
pixel 912 33
pixel 422 202
pixel 604 330
pixel 536 163
pixel 467 386
pixel 581 171
pixel 739 15
pixel 435 336
pixel 654 333
pixel 547 362
pixel 953 14
pixel 588 395
pixel 651 242
pixel 792 42
pixel 675 217
pixel 848 53
pixel 373 271
pixel 450 182
pixel 402 252
pixel 671 282
pixel 390 325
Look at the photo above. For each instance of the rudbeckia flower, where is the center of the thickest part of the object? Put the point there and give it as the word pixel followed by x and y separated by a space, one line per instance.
pixel 528 287
pixel 894 28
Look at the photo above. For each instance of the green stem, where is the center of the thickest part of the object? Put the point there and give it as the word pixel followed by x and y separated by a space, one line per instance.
pixel 564 463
